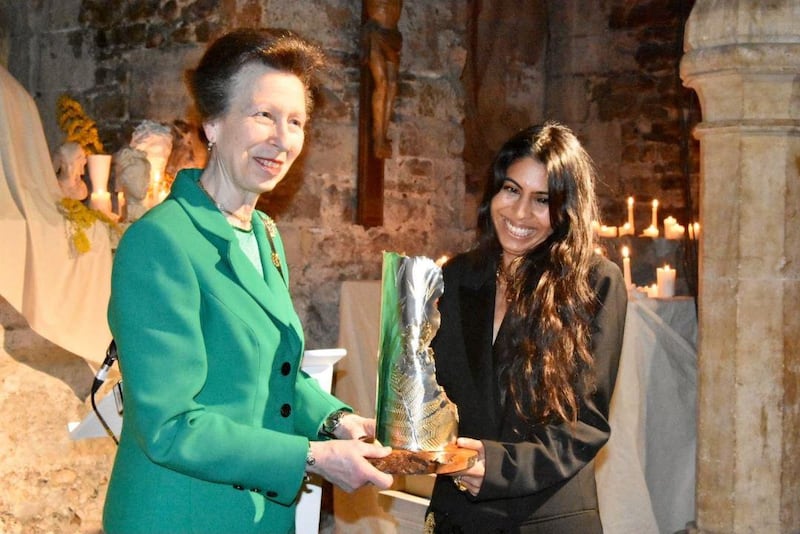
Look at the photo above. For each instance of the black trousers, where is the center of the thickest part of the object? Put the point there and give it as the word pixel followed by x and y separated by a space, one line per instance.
pixel 584 522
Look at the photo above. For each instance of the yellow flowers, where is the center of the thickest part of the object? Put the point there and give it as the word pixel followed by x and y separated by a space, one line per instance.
pixel 80 218
pixel 77 126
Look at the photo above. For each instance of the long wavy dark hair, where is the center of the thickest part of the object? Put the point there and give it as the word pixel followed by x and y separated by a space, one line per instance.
pixel 545 357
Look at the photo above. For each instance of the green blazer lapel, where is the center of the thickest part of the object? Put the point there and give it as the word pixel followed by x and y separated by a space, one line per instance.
pixel 270 292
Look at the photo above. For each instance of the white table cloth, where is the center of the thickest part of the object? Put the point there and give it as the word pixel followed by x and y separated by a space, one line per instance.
pixel 645 474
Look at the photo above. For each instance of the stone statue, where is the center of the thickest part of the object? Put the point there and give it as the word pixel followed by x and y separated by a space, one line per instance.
pixel 69 162
pixel 382 44
pixel 155 140
pixel 132 172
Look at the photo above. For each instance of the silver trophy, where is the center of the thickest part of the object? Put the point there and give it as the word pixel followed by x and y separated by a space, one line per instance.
pixel 414 415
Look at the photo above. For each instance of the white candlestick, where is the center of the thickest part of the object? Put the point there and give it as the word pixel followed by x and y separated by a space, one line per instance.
pixel 665 280
pixel 121 204
pixel 99 166
pixel 630 215
pixel 625 229
pixel 654 221
pixel 626 268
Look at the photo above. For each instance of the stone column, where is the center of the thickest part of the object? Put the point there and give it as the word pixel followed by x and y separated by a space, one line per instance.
pixel 743 59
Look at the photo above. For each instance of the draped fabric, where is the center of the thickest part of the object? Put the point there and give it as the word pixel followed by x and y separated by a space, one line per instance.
pixel 63 295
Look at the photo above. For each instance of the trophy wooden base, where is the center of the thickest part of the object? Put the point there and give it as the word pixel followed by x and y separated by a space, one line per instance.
pixel 403 462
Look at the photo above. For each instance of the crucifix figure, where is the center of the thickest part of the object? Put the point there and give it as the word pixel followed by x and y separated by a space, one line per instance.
pixel 380 63
pixel 383 42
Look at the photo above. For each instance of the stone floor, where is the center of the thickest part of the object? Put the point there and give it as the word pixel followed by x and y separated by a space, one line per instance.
pixel 50 482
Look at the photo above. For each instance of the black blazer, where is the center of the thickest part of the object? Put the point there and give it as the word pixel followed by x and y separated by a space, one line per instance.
pixel 546 482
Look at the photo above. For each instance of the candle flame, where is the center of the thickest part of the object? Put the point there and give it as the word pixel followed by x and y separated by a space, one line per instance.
pixel 625 252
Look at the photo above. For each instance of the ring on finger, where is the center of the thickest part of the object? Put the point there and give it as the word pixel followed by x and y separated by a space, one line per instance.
pixel 459 484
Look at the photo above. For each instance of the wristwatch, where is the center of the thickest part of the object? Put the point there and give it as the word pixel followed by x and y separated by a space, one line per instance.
pixel 332 422
pixel 310 460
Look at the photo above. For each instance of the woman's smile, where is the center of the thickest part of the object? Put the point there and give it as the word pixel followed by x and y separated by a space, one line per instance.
pixel 271 165
pixel 520 232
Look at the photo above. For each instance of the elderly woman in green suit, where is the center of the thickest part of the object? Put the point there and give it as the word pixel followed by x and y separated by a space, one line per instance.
pixel 221 426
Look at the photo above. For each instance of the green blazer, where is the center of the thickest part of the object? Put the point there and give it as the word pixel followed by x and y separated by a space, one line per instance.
pixel 218 415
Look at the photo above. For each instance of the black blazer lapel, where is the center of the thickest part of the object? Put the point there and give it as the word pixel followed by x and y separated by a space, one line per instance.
pixel 477 319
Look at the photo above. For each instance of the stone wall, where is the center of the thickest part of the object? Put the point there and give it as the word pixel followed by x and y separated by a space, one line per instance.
pixel 612 75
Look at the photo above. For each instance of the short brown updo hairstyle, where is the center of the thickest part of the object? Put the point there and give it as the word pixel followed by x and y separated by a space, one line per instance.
pixel 284 50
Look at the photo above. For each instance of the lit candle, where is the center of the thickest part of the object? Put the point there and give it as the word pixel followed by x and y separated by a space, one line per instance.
pixel 101 201
pixel 652 291
pixel 630 215
pixel 626 267
pixel 696 230
pixel 650 231
pixel 121 203
pixel 665 280
pixel 607 231
pixel 672 230
pixel 654 221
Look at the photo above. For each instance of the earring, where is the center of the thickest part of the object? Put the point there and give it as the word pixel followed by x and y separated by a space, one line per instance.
pixel 210 145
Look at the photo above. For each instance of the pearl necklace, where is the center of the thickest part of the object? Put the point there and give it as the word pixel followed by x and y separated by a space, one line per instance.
pixel 225 211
